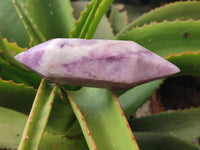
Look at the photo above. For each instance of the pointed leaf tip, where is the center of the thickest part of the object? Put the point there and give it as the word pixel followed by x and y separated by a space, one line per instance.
pixel 110 64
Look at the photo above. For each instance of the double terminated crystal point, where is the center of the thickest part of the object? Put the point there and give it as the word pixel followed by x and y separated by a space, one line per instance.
pixel 110 64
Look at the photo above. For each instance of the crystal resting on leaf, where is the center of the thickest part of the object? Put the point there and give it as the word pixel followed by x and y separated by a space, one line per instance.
pixel 110 64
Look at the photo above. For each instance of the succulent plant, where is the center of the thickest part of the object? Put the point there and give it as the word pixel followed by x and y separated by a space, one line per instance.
pixel 67 114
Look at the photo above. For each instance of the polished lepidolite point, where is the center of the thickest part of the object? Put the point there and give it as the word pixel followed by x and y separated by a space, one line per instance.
pixel 110 64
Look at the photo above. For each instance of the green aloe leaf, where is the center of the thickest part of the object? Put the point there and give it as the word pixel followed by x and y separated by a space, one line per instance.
pixel 134 98
pixel 51 142
pixel 11 25
pixel 8 72
pixel 156 141
pixel 90 18
pixel 135 11
pixel 101 10
pixel 79 7
pixel 27 78
pixel 76 32
pixel 183 37
pixel 75 130
pixel 188 62
pixel 62 116
pixel 11 127
pixel 9 56
pixel 53 18
pixel 13 47
pixel 169 12
pixel 103 30
pixel 184 124
pixel 10 77
pixel 98 112
pixel 118 20
pixel 84 127
pixel 22 98
pixel 21 95
pixel 35 36
pixel 38 117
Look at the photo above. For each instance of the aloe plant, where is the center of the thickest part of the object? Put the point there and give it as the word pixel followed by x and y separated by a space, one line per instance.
pixel 68 115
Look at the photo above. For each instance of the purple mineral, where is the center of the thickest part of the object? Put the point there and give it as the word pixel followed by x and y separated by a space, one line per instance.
pixel 110 64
